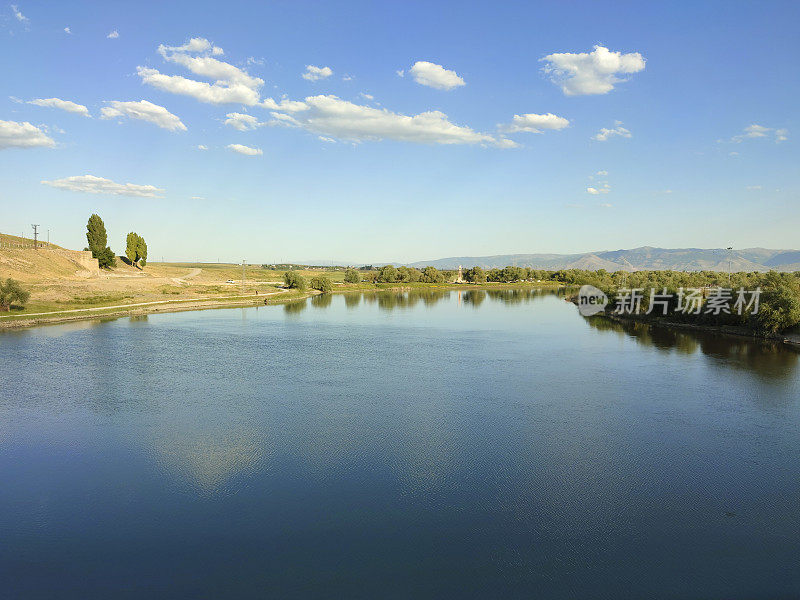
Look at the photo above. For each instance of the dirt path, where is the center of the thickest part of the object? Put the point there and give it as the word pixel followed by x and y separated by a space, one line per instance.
pixel 140 304
pixel 190 275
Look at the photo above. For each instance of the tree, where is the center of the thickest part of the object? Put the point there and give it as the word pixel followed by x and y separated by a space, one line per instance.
pixel 96 234
pixel 780 305
pixel 431 275
pixel 11 292
pixel 106 258
pixel 142 252
pixel 136 250
pixel 293 280
pixel 475 275
pixel 387 274
pixel 409 274
pixel 97 238
pixel 351 276
pixel 131 244
pixel 323 284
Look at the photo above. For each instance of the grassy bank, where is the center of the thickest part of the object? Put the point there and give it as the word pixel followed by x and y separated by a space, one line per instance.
pixel 110 306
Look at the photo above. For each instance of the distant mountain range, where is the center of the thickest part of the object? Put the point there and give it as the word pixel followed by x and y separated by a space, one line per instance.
pixel 637 259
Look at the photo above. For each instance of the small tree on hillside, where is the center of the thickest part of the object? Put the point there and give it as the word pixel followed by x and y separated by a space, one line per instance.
pixel 97 238
pixel 136 249
pixel 96 234
pixel 142 252
pixel 12 293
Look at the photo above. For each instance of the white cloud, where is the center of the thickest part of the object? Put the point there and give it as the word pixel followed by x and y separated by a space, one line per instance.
pixel 195 45
pixel 327 139
pixel 247 150
pixel 330 116
pixel 210 67
pixel 113 35
pixel 316 73
pixel 197 198
pixel 143 111
pixel 753 188
pixel 216 93
pixel 348 78
pixel 202 147
pixel 66 105
pixel 231 84
pixel 367 96
pixel 433 75
pixel 759 131
pixel 23 135
pixel 595 72
pixel 242 122
pixel 534 123
pixel 601 187
pixel 67 30
pixel 606 205
pixel 20 17
pixel 617 130
pixel 285 105
pixel 99 185
pixel 601 190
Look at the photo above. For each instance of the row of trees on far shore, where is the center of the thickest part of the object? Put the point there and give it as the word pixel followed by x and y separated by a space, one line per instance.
pixel 780 299
pixel 97 238
pixel 293 280
pixel 780 292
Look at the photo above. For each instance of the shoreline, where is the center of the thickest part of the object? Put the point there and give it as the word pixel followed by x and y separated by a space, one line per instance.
pixel 145 308
pixel 12 322
pixel 790 340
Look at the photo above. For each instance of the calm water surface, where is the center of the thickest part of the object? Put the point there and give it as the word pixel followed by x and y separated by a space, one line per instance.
pixel 396 446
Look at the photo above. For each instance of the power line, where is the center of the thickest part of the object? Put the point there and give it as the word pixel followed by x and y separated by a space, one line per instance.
pixel 35 235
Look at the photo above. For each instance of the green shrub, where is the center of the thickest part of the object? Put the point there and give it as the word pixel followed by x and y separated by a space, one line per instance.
pixel 475 275
pixel 780 305
pixel 106 258
pixel 387 274
pixel 11 292
pixel 323 284
pixel 431 275
pixel 351 276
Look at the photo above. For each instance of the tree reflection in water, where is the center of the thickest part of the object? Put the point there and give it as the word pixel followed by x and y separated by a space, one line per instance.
pixel 766 359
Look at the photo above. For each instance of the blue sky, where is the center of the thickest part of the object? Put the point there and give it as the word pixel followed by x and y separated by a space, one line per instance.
pixel 358 162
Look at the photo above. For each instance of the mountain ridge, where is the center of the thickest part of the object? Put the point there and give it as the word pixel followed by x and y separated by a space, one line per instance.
pixel 635 259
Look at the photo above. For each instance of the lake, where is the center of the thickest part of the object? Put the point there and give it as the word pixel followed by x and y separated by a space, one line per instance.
pixel 396 445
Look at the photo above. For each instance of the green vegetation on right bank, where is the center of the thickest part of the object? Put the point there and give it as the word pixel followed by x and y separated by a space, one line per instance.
pixel 778 308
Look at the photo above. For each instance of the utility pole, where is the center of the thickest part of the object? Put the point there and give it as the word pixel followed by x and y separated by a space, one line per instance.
pixel 48 238
pixel 35 236
pixel 242 277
